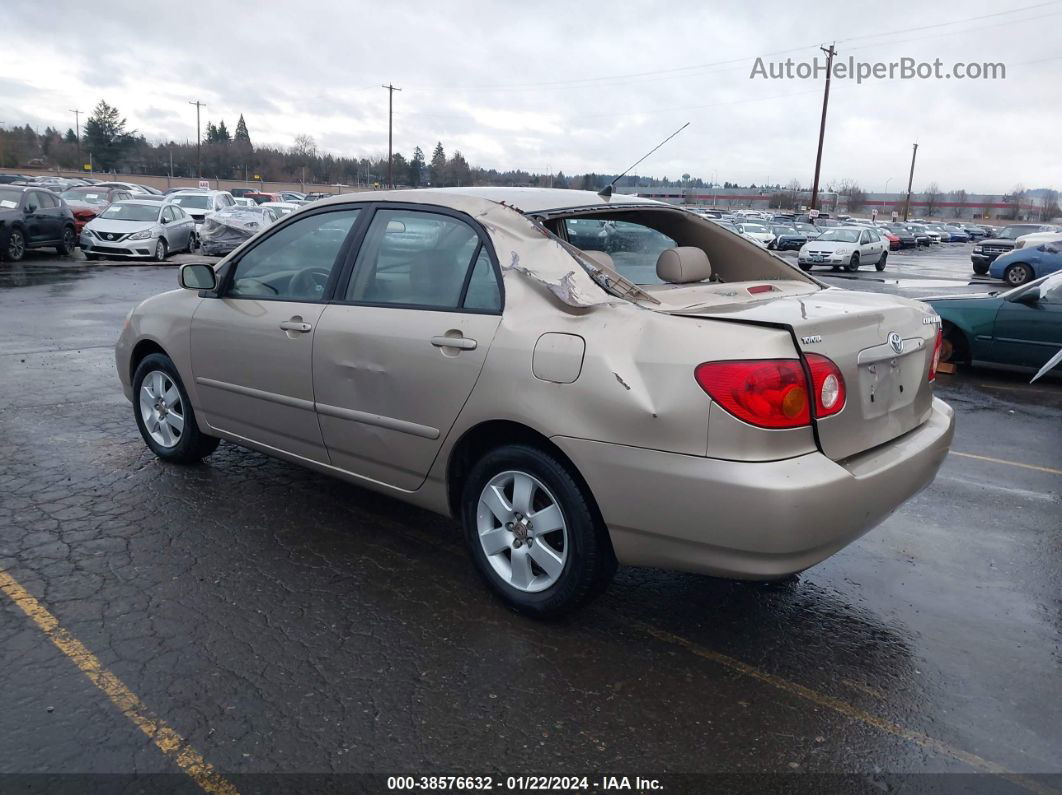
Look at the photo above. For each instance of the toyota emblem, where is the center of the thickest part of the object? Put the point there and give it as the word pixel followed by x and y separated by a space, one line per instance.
pixel 896 342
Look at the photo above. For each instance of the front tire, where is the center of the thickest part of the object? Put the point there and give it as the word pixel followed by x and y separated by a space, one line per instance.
pixel 161 250
pixel 981 268
pixel 534 532
pixel 66 248
pixel 880 264
pixel 16 246
pixel 164 414
pixel 853 264
pixel 1017 274
pixel 804 266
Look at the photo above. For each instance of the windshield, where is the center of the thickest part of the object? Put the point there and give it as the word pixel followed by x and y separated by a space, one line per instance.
pixel 780 229
pixel 1014 232
pixel 191 200
pixel 9 199
pixel 754 229
pixel 86 195
pixel 840 235
pixel 130 212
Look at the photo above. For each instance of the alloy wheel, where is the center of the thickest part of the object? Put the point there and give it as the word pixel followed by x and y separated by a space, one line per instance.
pixel 522 531
pixel 161 408
pixel 16 246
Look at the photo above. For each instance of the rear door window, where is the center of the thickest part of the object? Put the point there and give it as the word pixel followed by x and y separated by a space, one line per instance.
pixel 413 258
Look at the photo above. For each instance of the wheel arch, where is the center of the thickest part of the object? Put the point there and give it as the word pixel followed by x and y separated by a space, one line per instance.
pixel 141 351
pixel 963 349
pixel 486 436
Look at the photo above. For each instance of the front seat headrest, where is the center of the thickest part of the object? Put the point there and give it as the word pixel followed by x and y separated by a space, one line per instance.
pixel 601 259
pixel 683 265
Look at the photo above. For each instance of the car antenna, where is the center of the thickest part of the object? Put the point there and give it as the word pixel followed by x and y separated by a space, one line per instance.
pixel 607 190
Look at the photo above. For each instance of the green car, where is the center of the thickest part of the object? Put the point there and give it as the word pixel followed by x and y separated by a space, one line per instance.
pixel 1017 329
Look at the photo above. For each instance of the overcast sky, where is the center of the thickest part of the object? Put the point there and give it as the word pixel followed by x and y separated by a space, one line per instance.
pixel 572 86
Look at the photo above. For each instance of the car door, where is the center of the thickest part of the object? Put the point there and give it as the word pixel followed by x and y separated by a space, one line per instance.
pixel 251 346
pixel 36 220
pixel 1029 332
pixel 398 352
pixel 52 208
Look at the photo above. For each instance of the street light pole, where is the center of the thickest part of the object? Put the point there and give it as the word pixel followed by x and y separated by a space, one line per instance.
pixel 77 135
pixel 830 52
pixel 198 139
pixel 390 119
pixel 910 181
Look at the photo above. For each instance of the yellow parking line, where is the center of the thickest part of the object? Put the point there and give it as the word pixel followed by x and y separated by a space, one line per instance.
pixel 165 738
pixel 848 710
pixel 1009 463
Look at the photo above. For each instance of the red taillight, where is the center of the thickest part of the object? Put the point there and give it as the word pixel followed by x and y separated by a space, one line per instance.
pixel 936 355
pixel 827 385
pixel 773 393
pixel 768 393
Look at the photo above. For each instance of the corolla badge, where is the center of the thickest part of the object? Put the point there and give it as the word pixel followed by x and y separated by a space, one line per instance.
pixel 895 341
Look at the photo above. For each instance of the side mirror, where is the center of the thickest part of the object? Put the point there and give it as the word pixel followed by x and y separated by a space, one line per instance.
pixel 164 220
pixel 1030 297
pixel 197 276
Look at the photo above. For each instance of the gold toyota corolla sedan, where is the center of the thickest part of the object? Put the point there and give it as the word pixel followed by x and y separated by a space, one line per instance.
pixel 582 380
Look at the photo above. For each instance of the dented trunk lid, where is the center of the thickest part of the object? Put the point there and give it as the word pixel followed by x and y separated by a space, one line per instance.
pixel 886 376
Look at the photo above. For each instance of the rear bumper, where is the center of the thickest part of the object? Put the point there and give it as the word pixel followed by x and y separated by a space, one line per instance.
pixel 754 521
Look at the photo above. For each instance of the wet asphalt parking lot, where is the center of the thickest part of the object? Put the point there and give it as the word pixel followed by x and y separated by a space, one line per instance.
pixel 250 617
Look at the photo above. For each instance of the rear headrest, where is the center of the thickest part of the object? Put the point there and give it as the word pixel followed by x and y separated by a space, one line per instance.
pixel 683 264
pixel 601 259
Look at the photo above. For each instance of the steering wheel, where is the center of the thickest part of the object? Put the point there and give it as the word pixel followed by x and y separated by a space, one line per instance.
pixel 309 283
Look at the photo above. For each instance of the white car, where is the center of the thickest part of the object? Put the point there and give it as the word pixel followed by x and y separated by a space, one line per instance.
pixel 845 246
pixel 198 203
pixel 140 229
pixel 1034 239
pixel 242 202
pixel 282 208
pixel 758 233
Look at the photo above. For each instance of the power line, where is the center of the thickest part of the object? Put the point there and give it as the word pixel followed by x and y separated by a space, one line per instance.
pixel 588 81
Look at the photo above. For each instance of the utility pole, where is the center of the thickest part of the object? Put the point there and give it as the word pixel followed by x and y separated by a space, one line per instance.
pixel 910 181
pixel 390 118
pixel 77 135
pixel 830 52
pixel 198 139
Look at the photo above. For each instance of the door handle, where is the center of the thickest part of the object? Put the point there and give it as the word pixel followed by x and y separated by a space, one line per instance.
pixel 462 343
pixel 296 325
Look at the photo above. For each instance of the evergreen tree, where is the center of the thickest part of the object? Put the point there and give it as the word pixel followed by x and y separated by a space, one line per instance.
pixel 241 137
pixel 438 166
pixel 106 137
pixel 416 168
pixel 71 136
pixel 223 133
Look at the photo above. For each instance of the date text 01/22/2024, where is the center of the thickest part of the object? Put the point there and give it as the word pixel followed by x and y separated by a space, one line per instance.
pixel 523 783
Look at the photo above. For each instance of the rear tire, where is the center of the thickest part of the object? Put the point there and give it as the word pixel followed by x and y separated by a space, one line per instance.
pixel 580 550
pixel 880 264
pixel 853 264
pixel 1017 274
pixel 156 379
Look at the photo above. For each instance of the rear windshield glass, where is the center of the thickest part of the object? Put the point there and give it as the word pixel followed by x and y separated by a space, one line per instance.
pixel 195 202
pixel 87 195
pixel 130 212
pixel 840 235
pixel 634 248
pixel 9 199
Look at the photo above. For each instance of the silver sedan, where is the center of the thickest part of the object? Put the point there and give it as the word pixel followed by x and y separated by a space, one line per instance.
pixel 138 229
